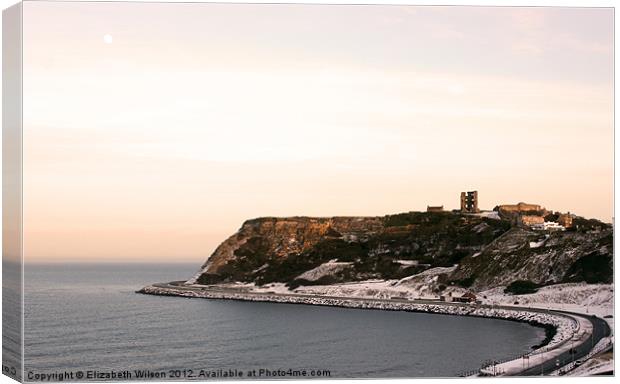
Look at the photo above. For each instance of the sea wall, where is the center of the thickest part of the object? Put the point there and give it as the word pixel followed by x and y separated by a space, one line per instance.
pixel 565 326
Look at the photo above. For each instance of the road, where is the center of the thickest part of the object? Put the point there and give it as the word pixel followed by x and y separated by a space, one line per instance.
pixel 600 328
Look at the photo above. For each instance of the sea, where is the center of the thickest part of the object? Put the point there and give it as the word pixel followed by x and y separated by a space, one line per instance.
pixel 88 320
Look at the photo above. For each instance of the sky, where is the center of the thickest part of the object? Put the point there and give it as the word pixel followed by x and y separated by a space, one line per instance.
pixel 152 131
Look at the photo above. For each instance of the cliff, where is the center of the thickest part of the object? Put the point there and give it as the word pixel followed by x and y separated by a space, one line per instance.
pixel 557 257
pixel 487 252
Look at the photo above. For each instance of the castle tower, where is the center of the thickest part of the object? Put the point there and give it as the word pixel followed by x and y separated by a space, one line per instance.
pixel 469 202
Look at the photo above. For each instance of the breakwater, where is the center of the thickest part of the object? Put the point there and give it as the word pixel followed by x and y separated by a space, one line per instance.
pixel 564 326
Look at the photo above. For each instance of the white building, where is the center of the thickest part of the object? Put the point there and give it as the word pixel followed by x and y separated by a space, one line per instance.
pixel 548 226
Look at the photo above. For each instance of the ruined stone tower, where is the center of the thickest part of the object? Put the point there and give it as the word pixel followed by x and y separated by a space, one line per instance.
pixel 469 202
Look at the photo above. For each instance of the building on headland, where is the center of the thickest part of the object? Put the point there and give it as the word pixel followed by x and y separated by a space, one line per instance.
pixel 530 220
pixel 437 208
pixel 469 202
pixel 565 220
pixel 446 298
pixel 467 297
pixel 522 214
pixel 520 207
pixel 548 226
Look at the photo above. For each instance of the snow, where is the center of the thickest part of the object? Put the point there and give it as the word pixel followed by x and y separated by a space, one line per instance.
pixel 260 268
pixel 279 288
pixel 349 238
pixel 600 363
pixel 595 367
pixel 429 272
pixel 537 244
pixel 481 227
pixel 489 215
pixel 271 288
pixel 423 285
pixel 379 289
pixel 406 262
pixel 595 362
pixel 325 269
pixel 597 299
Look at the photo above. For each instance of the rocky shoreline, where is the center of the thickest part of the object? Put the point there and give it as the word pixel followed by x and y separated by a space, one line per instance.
pixel 564 326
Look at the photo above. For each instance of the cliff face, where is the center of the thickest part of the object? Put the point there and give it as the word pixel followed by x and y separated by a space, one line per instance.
pixel 264 241
pixel 487 251
pixel 521 254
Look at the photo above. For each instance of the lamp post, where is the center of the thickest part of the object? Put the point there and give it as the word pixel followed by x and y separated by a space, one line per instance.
pixel 572 350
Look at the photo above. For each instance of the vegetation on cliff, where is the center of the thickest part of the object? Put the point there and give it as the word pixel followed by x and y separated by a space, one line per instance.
pixel 521 287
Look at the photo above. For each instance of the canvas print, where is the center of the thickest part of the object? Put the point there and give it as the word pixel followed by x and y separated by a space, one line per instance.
pixel 205 191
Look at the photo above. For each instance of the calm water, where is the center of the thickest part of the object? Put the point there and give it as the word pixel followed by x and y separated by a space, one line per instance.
pixel 88 317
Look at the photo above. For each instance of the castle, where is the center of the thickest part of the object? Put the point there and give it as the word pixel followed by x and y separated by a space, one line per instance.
pixel 520 214
pixel 520 207
pixel 469 202
pixel 438 208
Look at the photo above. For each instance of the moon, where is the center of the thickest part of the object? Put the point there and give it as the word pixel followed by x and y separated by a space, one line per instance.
pixel 107 39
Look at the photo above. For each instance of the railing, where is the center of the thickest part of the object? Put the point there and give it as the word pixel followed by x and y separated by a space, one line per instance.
pixel 489 368
pixel 471 372
pixel 598 348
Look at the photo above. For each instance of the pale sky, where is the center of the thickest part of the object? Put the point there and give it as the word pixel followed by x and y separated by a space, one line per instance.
pixel 152 131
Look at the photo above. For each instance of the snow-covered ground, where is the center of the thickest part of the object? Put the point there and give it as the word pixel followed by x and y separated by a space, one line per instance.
pixel 406 262
pixel 596 299
pixel 537 244
pixel 423 285
pixel 488 214
pixel 326 269
pixel 598 364
pixel 584 298
pixel 599 360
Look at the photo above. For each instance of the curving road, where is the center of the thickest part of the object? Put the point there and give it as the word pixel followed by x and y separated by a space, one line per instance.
pixel 600 328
